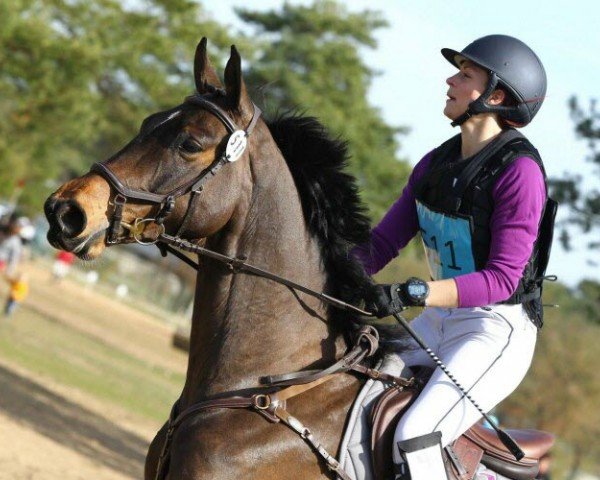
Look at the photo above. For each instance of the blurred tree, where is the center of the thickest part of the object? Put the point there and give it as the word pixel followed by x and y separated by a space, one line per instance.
pixel 561 393
pixel 78 77
pixel 310 59
pixel 584 206
pixel 589 300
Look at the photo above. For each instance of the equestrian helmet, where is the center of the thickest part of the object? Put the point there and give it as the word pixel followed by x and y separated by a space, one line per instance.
pixel 512 65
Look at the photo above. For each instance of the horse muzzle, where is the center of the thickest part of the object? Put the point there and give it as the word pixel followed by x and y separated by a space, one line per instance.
pixel 68 222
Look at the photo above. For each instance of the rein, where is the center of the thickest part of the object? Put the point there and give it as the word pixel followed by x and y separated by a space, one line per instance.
pixel 236 145
pixel 165 243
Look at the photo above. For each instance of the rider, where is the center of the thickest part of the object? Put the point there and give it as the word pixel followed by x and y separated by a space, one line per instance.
pixel 480 204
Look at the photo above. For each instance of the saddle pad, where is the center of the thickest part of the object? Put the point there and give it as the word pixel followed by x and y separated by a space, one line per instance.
pixel 355 449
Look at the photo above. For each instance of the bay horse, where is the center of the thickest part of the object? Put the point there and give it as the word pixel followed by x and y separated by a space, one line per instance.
pixel 288 205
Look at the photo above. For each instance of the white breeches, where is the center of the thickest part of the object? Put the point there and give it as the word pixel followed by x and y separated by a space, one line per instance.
pixel 487 349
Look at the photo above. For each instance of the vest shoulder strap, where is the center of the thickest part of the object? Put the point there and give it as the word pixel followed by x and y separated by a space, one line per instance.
pixel 445 150
pixel 441 153
pixel 521 147
pixel 479 161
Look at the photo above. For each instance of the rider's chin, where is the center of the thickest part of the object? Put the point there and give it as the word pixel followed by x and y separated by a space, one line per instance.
pixel 449 112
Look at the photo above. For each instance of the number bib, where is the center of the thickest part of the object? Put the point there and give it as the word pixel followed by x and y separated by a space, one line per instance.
pixel 448 242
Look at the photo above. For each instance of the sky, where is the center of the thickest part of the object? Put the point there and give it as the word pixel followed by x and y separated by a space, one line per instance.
pixel 410 89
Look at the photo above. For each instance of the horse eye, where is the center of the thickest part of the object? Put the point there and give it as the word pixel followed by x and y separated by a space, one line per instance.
pixel 189 145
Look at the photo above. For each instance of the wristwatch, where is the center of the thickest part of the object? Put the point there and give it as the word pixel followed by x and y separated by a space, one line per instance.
pixel 416 291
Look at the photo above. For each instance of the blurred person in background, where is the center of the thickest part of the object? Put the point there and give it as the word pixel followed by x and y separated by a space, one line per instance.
pixel 26 230
pixel 11 248
pixel 19 288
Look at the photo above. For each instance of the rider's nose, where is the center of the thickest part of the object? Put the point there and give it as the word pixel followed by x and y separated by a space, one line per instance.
pixel 65 215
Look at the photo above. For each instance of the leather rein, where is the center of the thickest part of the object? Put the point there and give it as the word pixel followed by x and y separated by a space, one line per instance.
pixel 269 399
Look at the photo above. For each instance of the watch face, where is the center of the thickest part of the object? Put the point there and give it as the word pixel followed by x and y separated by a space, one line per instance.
pixel 417 290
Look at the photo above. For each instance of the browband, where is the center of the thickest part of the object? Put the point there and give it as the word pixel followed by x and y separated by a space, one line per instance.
pixel 222 115
pixel 127 192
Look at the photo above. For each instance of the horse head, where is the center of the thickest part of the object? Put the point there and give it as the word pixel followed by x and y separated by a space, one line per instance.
pixel 167 173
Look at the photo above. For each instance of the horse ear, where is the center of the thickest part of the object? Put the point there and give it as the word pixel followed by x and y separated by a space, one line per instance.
pixel 204 73
pixel 234 83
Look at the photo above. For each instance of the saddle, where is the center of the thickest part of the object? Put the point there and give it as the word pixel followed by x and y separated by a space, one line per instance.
pixel 477 445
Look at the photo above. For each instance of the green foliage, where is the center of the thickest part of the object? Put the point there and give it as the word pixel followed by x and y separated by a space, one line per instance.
pixel 584 206
pixel 589 300
pixel 309 59
pixel 78 77
pixel 562 390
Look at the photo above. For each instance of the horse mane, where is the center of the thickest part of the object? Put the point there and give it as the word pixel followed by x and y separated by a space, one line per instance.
pixel 334 213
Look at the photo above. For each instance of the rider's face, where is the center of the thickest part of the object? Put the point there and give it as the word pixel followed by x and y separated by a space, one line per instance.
pixel 465 86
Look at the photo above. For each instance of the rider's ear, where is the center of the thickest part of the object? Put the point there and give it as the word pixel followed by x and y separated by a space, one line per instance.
pixel 234 83
pixel 204 73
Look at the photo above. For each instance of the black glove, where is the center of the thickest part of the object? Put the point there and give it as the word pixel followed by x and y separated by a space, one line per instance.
pixel 385 299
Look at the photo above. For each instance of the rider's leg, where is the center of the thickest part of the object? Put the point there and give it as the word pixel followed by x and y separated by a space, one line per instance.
pixel 487 350
pixel 428 326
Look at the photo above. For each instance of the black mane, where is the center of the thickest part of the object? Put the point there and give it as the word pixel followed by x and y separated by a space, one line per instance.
pixel 332 208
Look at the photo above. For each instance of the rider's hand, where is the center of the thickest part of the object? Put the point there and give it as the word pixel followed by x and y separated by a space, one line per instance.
pixel 385 299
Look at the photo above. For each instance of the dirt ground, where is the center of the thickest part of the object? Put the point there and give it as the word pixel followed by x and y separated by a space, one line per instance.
pixel 102 442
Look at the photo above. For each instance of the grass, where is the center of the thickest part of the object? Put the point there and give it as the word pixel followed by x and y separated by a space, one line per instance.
pixel 75 359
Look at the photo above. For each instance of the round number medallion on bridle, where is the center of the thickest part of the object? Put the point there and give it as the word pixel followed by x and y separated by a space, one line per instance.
pixel 236 145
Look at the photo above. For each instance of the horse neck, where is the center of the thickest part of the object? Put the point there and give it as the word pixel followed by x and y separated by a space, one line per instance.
pixel 243 326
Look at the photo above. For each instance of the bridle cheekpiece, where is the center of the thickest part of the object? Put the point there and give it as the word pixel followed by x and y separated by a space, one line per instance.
pixel 236 146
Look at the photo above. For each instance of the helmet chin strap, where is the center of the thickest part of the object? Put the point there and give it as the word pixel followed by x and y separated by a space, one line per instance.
pixel 479 105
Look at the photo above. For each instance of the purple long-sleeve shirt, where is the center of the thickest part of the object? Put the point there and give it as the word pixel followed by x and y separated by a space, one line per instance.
pixel 518 194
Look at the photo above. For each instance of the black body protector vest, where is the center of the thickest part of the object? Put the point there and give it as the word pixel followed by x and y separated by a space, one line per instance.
pixel 455 205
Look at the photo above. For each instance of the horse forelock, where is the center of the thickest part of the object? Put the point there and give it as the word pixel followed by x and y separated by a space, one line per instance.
pixel 330 200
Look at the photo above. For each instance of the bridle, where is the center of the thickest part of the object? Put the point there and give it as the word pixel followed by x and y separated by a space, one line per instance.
pixel 270 398
pixel 236 145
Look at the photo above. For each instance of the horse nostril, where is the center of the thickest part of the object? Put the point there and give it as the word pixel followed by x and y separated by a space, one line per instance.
pixel 49 205
pixel 70 217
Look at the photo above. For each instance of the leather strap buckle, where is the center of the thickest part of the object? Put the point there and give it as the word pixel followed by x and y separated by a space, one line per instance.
pixel 262 401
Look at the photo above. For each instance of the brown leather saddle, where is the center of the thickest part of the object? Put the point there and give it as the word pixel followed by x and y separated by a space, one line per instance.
pixel 477 445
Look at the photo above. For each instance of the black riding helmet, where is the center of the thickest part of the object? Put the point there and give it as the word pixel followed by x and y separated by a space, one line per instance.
pixel 512 65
